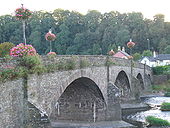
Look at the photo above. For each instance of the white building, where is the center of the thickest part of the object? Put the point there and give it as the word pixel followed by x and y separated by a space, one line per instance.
pixel 156 60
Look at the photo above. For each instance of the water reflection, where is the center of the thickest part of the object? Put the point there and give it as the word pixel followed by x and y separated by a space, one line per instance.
pixel 155 101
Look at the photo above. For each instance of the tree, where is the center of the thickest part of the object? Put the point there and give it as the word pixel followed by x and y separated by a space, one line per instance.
pixel 63 40
pixel 136 56
pixel 147 53
pixel 96 49
pixel 162 45
pixel 167 50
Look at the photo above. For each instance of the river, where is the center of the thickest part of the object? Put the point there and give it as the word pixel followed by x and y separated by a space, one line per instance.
pixel 154 103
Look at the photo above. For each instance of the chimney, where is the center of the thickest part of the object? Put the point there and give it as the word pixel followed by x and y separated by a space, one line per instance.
pixel 119 48
pixel 154 54
pixel 123 49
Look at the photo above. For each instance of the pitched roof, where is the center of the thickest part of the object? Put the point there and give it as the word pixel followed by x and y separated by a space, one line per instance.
pixel 121 53
pixel 125 53
pixel 163 57
pixel 158 57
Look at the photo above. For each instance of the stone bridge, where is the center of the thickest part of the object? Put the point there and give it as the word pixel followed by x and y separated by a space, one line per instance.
pixel 91 91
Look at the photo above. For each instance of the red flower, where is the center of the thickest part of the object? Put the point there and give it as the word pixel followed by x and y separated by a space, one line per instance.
pixel 130 44
pixel 111 52
pixel 50 36
pixel 22 13
pixel 22 50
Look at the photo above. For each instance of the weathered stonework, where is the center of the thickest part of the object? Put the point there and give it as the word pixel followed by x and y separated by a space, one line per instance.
pixel 95 91
pixel 11 104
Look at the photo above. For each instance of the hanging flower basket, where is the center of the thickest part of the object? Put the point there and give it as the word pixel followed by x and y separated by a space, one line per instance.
pixel 130 44
pixel 111 52
pixel 51 53
pixel 22 13
pixel 22 50
pixel 50 36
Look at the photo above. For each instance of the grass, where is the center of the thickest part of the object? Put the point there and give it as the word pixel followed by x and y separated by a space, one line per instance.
pixel 153 121
pixel 165 106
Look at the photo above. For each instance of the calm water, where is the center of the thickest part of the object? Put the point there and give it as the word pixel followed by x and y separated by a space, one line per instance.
pixel 154 102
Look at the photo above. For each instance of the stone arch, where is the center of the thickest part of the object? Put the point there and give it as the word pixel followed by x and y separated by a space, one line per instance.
pixel 139 77
pixel 82 100
pixel 122 82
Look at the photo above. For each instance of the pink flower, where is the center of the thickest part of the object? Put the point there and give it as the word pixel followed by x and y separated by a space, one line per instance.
pixel 22 50
pixel 130 44
pixel 50 36
pixel 51 53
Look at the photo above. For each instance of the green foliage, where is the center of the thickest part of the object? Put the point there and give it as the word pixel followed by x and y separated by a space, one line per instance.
pixel 109 62
pixel 167 94
pixel 161 70
pixel 147 53
pixel 39 69
pixel 92 33
pixel 5 48
pixel 51 67
pixel 165 106
pixel 157 87
pixel 70 64
pixel 84 63
pixel 136 56
pixel 153 121
pixel 12 73
pixel 167 89
pixel 167 50
pixel 30 61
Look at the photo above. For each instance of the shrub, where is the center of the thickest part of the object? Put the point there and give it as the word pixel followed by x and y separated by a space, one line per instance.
pixel 167 94
pixel 153 121
pixel 165 106
pixel 11 73
pixel 60 65
pixel 157 87
pixel 161 70
pixel 70 64
pixel 5 48
pixel 39 69
pixel 30 61
pixel 167 89
pixel 51 67
pixel 84 63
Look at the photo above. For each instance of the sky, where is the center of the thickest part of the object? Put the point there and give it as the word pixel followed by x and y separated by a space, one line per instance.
pixel 148 7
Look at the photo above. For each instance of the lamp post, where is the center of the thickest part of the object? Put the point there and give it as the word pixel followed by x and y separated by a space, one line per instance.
pixel 23 14
pixel 148 44
pixel 130 45
pixel 50 37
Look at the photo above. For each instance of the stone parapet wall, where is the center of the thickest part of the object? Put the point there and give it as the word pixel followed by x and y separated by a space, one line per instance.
pixel 11 104
pixel 80 61
pixel 7 63
pixel 93 60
